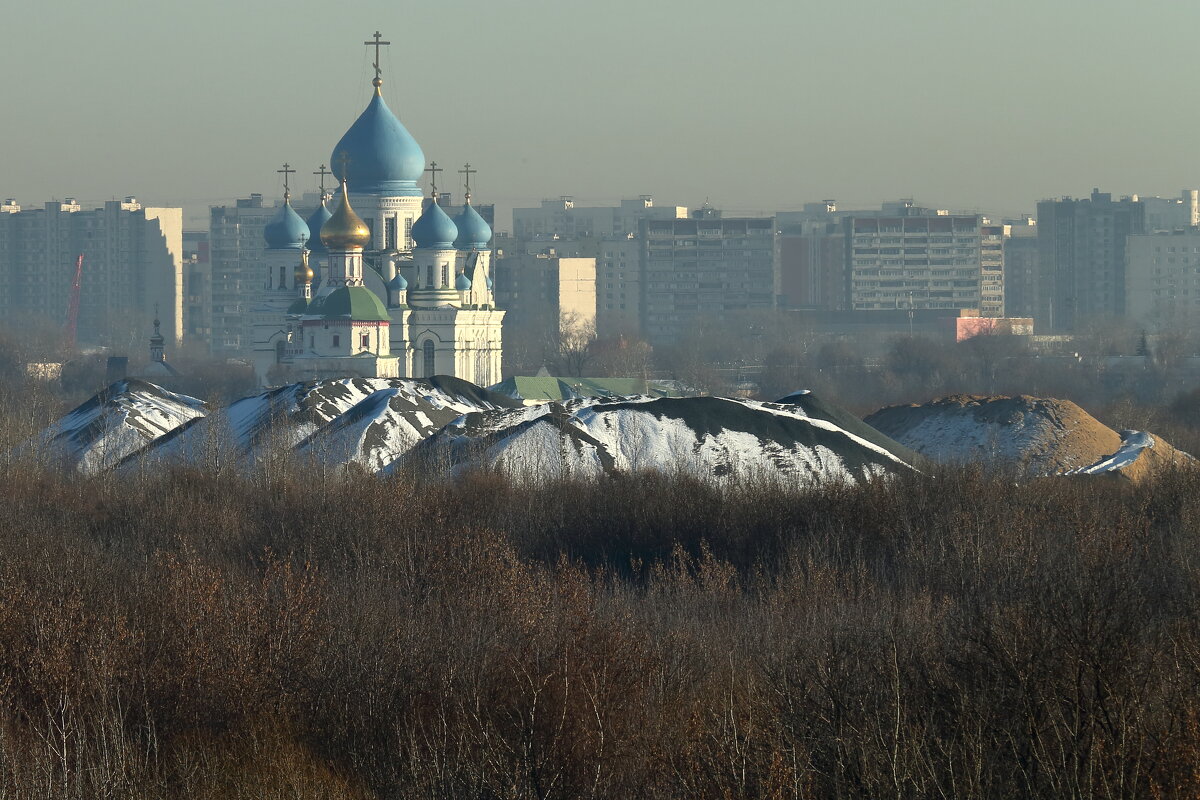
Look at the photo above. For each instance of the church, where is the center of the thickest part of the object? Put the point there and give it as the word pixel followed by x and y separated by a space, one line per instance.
pixel 386 284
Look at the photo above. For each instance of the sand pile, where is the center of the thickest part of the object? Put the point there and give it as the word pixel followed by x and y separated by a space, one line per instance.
pixel 1043 436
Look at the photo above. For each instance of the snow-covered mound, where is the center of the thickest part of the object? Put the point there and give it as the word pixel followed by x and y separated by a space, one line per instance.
pixel 1043 436
pixel 368 421
pixel 710 437
pixel 119 421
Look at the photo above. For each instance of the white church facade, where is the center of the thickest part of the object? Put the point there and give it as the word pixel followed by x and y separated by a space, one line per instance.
pixel 385 285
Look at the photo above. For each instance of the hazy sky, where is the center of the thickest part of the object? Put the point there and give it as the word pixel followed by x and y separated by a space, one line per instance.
pixel 756 105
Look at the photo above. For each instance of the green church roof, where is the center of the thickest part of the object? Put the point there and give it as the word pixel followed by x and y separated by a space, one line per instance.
pixel 298 306
pixel 546 387
pixel 356 303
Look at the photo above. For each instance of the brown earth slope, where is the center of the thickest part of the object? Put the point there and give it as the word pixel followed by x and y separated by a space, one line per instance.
pixel 1045 436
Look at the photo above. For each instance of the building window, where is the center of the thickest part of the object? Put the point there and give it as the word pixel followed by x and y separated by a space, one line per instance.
pixel 429 277
pixel 427 358
pixel 389 233
pixel 366 340
pixel 408 223
pixel 445 275
pixel 337 340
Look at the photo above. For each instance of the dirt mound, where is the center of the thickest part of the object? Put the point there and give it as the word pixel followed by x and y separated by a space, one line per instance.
pixel 1140 456
pixel 1043 435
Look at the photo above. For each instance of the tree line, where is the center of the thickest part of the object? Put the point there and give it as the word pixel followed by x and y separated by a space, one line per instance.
pixel 267 635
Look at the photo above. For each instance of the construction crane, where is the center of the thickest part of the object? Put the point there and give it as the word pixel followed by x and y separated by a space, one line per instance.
pixel 73 305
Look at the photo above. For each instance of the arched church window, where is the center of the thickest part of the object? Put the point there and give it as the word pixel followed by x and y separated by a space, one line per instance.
pixel 389 233
pixel 445 275
pixel 427 357
pixel 429 277
pixel 337 340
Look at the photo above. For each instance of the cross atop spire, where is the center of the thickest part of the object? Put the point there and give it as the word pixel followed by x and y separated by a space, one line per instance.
pixel 433 169
pixel 287 170
pixel 323 171
pixel 377 43
pixel 467 172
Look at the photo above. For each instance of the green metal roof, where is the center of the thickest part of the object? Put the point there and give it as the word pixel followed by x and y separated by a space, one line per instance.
pixel 543 387
pixel 356 303
pixel 530 388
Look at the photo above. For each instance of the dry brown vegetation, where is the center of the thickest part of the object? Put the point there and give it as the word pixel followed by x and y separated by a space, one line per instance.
pixel 213 635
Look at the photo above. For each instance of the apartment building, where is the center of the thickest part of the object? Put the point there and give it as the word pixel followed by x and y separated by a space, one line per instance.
pixel 704 265
pixel 132 264
pixel 914 262
pixel 1081 258
pixel 1162 278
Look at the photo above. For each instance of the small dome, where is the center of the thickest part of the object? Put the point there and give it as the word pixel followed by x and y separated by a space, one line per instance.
pixel 285 231
pixel 303 273
pixel 473 231
pixel 398 283
pixel 434 230
pixel 462 282
pixel 298 306
pixel 315 222
pixel 345 230
pixel 383 157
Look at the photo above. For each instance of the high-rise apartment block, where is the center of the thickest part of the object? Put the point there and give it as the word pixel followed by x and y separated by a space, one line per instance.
pixel 564 219
pixel 236 249
pixel 991 270
pixel 1081 259
pixel 812 262
pixel 610 235
pixel 704 266
pixel 132 263
pixel 1162 278
pixel 544 291
pixel 197 287
pixel 914 262
pixel 619 286
pixel 1172 213
pixel 1020 267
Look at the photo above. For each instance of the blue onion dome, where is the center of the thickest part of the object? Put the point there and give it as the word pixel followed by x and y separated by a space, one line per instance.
pixel 473 231
pixel 286 230
pixel 383 156
pixel 315 222
pixel 345 230
pixel 434 230
pixel 462 283
pixel 398 284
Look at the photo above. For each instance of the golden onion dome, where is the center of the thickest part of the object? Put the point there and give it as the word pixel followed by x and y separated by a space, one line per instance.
pixel 304 273
pixel 345 230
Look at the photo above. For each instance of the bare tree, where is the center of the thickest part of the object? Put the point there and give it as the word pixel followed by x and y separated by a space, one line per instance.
pixel 575 347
